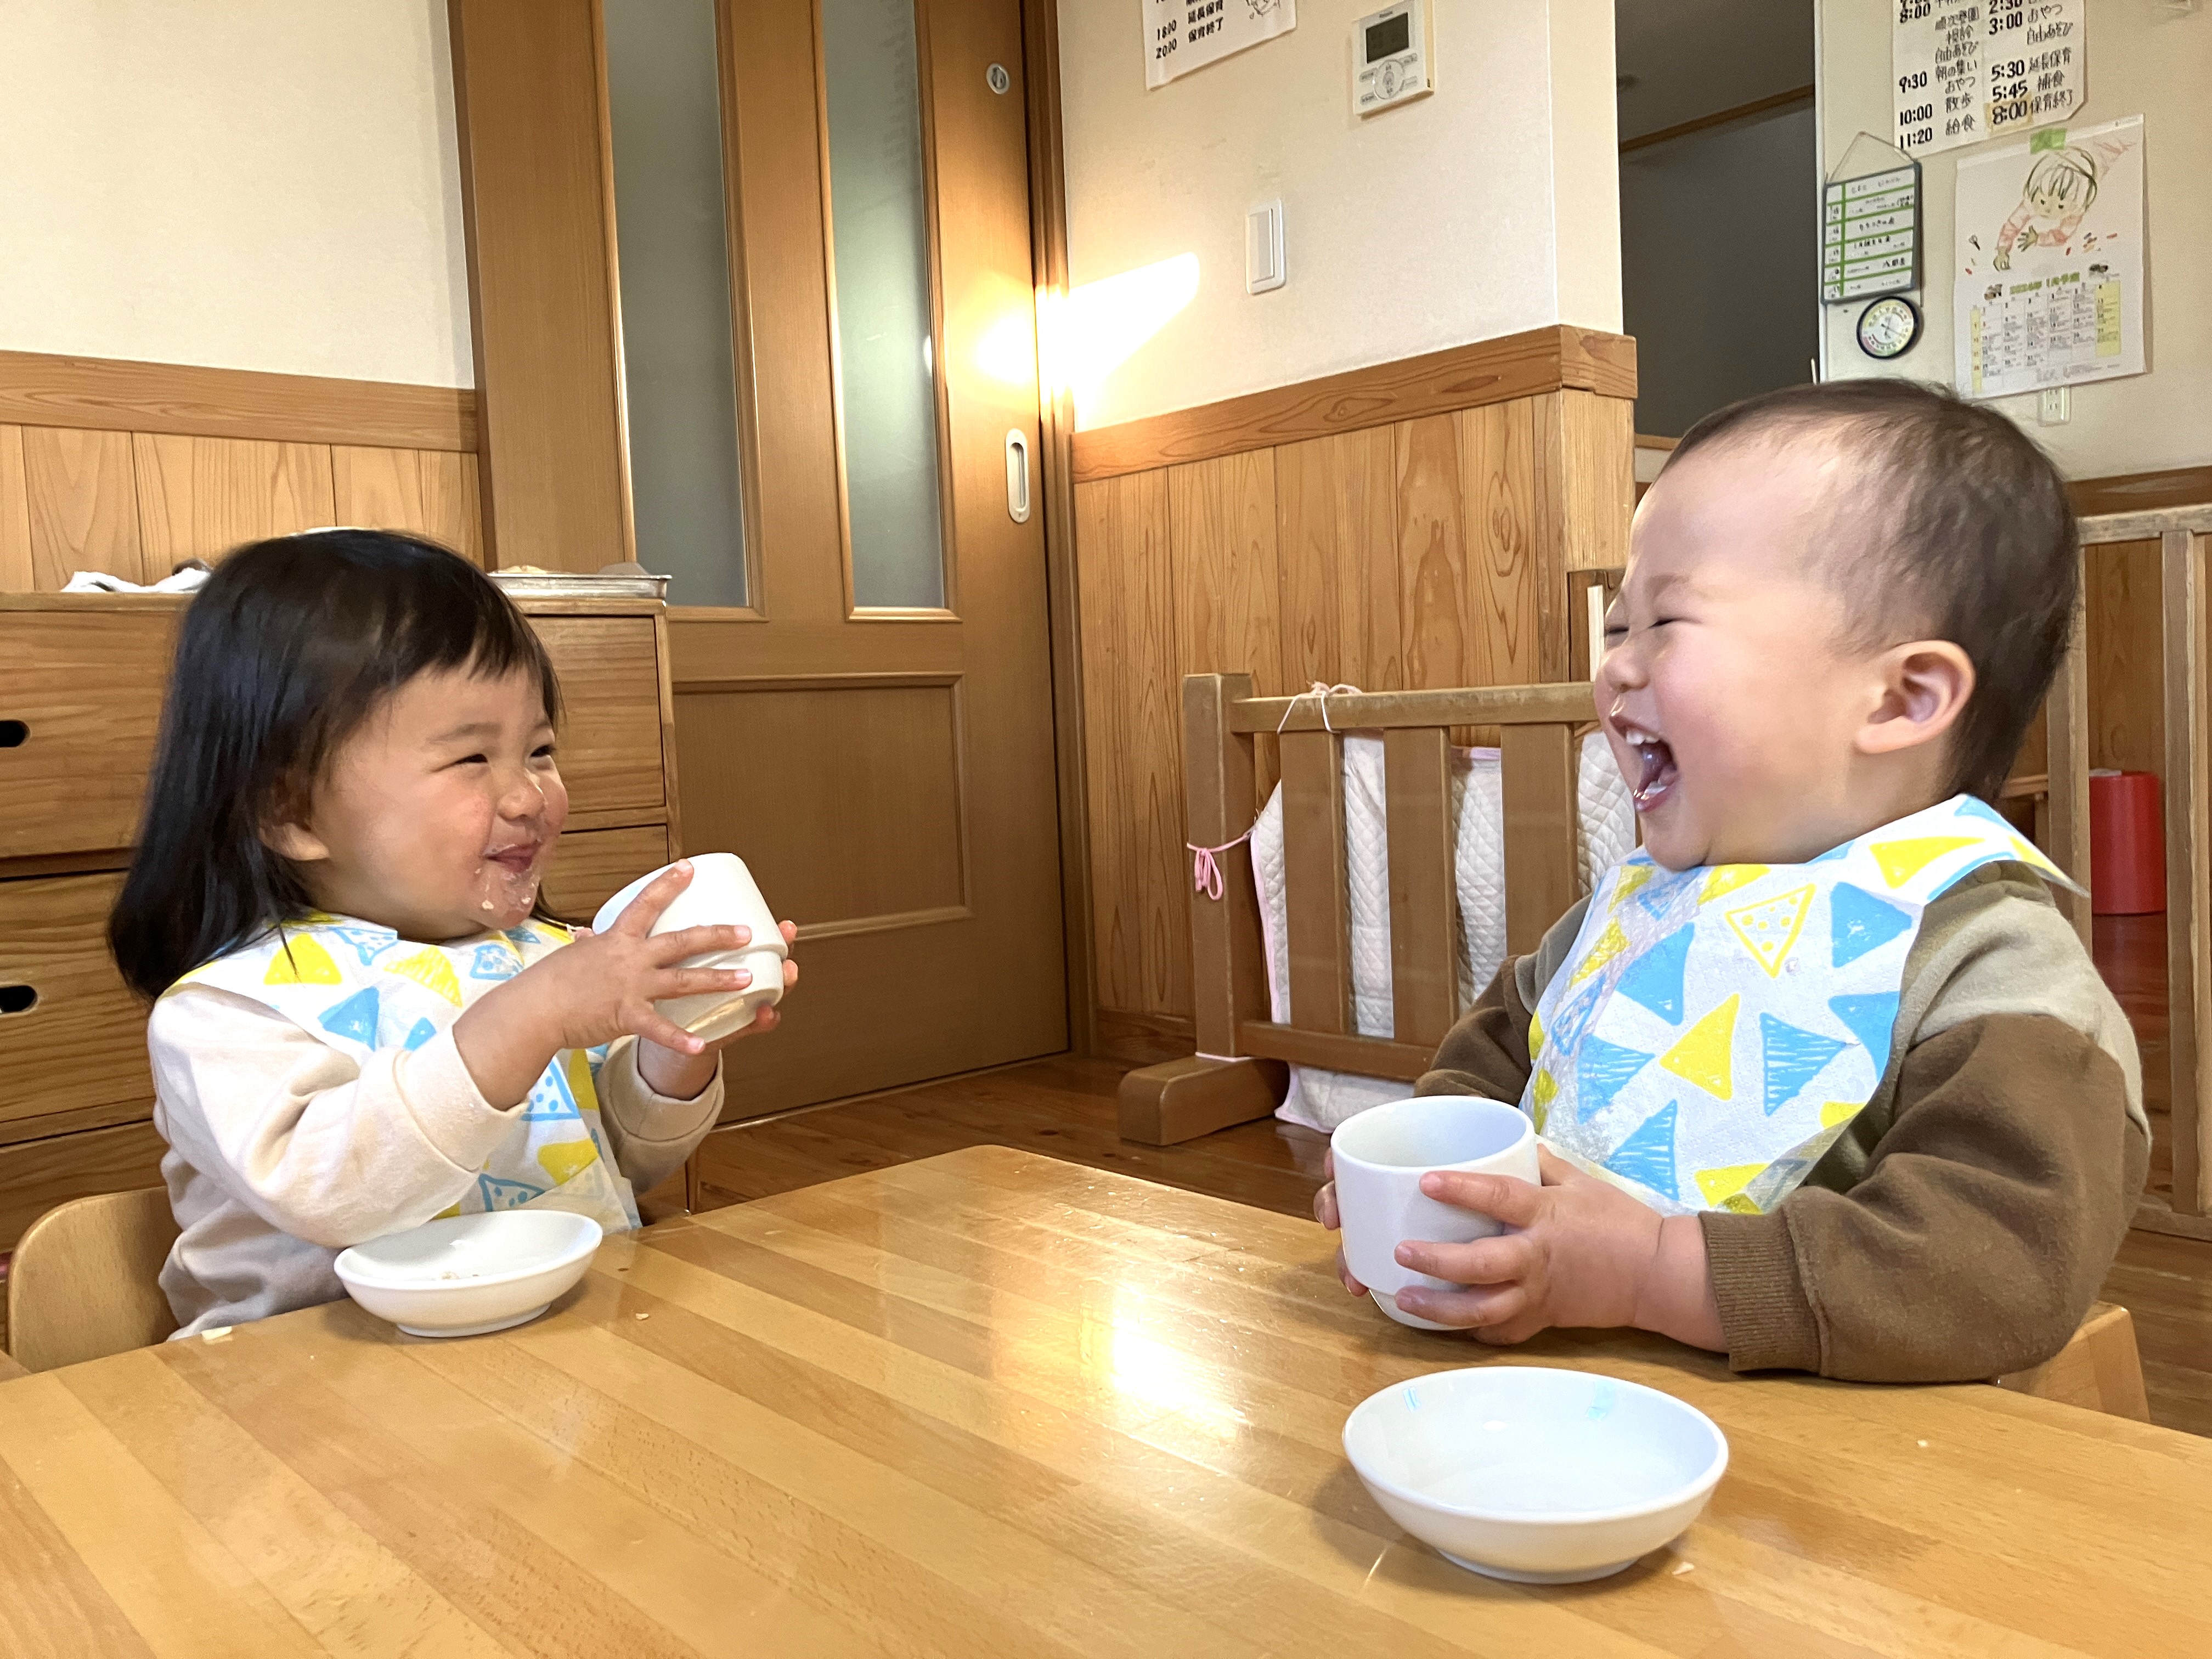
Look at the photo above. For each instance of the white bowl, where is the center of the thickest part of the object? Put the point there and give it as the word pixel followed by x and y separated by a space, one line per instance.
pixel 1534 1474
pixel 468 1274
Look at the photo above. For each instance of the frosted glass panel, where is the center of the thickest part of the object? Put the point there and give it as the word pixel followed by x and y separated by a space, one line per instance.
pixel 665 104
pixel 880 236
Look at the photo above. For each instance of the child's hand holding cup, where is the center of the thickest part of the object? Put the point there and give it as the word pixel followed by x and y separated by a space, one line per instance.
pixel 722 894
pixel 1380 1156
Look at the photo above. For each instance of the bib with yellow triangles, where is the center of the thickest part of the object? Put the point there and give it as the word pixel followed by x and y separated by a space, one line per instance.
pixel 1713 1030
pixel 360 989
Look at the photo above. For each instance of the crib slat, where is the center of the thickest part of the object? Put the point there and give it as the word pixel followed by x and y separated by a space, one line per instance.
pixel 2187 622
pixel 1540 828
pixel 1229 978
pixel 1313 868
pixel 1423 905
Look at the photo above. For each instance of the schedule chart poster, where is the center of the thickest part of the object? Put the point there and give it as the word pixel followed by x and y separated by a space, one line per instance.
pixel 1182 35
pixel 1970 69
pixel 2049 285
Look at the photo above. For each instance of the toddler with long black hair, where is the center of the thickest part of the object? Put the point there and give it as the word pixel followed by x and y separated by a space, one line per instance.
pixel 364 1014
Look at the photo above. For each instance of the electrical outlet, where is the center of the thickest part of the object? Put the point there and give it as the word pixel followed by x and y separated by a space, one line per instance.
pixel 2054 405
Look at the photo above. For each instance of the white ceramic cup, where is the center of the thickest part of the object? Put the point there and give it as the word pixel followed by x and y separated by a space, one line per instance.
pixel 721 894
pixel 1381 1156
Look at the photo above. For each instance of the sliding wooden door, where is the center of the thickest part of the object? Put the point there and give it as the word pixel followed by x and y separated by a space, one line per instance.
pixel 812 218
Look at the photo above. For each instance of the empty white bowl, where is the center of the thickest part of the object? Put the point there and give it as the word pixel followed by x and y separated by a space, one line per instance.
pixel 1535 1474
pixel 468 1274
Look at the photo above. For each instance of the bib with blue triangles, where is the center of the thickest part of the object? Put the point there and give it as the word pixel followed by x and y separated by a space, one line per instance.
pixel 1712 1031
pixel 361 989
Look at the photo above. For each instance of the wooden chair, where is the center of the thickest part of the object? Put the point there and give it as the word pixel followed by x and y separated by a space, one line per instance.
pixel 84 1282
pixel 2099 1368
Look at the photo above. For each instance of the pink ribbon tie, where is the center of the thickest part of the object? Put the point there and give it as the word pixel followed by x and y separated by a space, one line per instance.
pixel 1205 873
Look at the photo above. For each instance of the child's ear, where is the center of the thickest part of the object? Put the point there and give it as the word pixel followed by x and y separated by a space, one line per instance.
pixel 1925 688
pixel 295 842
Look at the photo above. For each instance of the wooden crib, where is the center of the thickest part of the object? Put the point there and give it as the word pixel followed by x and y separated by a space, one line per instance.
pixel 1237 1072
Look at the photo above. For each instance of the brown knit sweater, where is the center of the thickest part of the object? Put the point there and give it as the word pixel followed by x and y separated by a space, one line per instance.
pixel 1962 1225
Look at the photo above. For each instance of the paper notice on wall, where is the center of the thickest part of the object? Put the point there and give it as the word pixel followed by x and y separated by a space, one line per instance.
pixel 2049 290
pixel 1970 70
pixel 1182 35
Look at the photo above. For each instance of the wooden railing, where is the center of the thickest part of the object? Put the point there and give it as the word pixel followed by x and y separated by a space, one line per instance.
pixel 2185 605
pixel 1237 1072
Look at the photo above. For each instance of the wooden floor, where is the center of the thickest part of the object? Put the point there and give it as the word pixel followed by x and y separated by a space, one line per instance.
pixel 1065 1108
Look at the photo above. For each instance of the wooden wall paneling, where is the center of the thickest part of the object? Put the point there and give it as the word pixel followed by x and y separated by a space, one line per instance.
pixel 113 395
pixel 541 291
pixel 15 515
pixel 1228 586
pixel 1141 872
pixel 200 497
pixel 2127 714
pixel 82 496
pixel 1336 541
pixel 1435 628
pixel 1458 377
pixel 1505 597
pixel 431 493
pixel 1585 497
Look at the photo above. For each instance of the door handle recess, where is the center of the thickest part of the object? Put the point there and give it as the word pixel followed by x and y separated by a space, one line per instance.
pixel 1018 474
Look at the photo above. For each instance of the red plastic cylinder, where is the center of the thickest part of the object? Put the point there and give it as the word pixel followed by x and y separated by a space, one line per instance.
pixel 2127 844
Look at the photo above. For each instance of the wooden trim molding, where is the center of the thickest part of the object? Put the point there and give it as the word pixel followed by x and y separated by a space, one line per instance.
pixel 109 394
pixel 1720 118
pixel 2141 492
pixel 1560 357
pixel 1056 495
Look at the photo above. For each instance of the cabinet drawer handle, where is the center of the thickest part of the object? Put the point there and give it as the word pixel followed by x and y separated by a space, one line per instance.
pixel 18 998
pixel 13 734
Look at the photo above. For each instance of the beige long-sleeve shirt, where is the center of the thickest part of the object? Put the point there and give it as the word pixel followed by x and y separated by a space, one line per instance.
pixel 283 1151
pixel 1963 1224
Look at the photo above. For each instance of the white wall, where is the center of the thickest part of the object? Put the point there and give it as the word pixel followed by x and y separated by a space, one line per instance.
pixel 256 183
pixel 1720 263
pixel 1490 207
pixel 2142 60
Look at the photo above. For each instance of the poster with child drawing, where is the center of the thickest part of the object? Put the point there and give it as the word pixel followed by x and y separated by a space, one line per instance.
pixel 2049 285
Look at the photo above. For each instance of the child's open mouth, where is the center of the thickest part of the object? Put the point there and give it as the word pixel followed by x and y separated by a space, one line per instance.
pixel 517 859
pixel 1656 761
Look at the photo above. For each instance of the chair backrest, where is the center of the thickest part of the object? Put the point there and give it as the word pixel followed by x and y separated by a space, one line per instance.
pixel 2099 1368
pixel 84 1281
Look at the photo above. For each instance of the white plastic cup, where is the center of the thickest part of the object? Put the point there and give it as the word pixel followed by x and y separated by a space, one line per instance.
pixel 722 894
pixel 1381 1155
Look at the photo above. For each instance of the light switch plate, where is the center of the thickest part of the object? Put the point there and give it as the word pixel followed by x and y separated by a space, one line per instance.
pixel 1263 248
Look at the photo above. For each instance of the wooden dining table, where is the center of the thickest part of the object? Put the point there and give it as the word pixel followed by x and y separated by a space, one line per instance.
pixel 991 1403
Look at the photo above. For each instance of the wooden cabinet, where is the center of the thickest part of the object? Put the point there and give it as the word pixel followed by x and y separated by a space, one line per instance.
pixel 82 679
pixel 80 698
